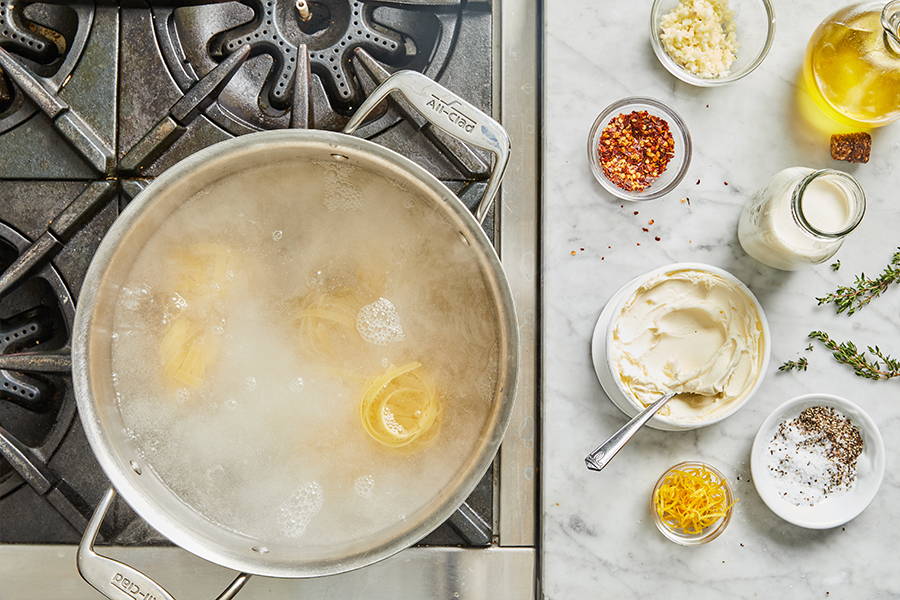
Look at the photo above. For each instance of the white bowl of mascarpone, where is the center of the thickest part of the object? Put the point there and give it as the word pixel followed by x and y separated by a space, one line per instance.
pixel 686 327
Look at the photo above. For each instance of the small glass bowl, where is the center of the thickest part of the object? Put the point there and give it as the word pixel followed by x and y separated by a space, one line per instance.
pixel 676 168
pixel 754 22
pixel 708 534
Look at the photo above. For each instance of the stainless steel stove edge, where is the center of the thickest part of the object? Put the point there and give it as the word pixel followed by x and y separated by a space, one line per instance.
pixel 32 571
pixel 518 213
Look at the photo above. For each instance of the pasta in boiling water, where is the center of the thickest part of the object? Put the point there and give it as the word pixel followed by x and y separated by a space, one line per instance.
pixel 326 323
pixel 203 274
pixel 187 350
pixel 399 406
pixel 204 271
pixel 326 316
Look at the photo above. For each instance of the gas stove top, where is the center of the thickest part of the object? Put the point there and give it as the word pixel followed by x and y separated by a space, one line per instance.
pixel 97 99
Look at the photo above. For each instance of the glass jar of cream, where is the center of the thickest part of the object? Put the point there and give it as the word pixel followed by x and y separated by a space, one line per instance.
pixel 801 217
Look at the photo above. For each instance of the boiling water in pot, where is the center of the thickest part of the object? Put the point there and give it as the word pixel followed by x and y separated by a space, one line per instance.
pixel 305 352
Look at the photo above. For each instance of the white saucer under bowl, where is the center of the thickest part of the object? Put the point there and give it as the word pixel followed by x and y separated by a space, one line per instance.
pixel 834 510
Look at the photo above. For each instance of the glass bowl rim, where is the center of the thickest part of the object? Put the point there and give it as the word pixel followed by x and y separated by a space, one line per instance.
pixel 686 76
pixel 713 531
pixel 676 125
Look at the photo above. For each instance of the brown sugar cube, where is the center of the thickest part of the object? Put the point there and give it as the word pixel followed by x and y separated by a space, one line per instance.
pixel 852 147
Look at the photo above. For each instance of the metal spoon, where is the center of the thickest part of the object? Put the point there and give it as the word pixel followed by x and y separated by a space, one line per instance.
pixel 604 453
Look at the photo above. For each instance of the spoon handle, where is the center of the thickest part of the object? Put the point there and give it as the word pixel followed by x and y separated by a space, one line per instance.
pixel 604 453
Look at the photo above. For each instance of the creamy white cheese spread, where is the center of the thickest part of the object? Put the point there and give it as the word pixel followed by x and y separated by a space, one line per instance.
pixel 692 332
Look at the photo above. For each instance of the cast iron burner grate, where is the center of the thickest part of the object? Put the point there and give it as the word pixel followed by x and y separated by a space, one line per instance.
pixel 49 39
pixel 407 34
pixel 36 316
pixel 20 36
pixel 22 331
pixel 331 34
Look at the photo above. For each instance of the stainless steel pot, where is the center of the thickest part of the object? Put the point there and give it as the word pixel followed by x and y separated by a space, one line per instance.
pixel 103 424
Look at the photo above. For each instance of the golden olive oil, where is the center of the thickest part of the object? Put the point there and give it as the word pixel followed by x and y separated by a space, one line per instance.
pixel 852 65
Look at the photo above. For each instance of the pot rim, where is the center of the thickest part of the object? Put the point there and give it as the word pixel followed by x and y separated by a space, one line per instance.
pixel 119 471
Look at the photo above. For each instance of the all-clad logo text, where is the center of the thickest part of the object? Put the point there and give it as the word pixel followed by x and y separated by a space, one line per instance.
pixel 453 115
pixel 133 589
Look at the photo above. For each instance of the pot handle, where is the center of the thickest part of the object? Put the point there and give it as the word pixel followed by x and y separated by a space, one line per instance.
pixel 118 581
pixel 447 111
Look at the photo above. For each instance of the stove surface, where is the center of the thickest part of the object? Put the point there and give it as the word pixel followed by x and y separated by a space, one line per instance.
pixel 96 100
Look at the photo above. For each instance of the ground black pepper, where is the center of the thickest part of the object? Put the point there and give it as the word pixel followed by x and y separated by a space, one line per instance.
pixel 817 451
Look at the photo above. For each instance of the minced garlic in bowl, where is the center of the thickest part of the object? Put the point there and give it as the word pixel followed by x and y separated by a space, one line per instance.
pixel 700 36
pixel 711 42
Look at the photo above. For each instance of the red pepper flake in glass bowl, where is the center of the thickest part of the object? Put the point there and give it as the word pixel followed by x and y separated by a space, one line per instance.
pixel 639 149
pixel 635 149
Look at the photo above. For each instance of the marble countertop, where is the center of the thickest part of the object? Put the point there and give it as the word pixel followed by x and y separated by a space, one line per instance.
pixel 598 538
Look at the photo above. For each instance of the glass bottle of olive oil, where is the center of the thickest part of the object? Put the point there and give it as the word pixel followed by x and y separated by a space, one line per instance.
pixel 852 66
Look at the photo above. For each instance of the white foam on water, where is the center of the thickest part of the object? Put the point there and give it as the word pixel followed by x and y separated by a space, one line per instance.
pixel 364 486
pixel 379 323
pixel 300 509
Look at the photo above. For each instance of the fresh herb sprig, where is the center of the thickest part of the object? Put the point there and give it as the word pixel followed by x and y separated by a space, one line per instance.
pixel 883 367
pixel 850 299
pixel 801 364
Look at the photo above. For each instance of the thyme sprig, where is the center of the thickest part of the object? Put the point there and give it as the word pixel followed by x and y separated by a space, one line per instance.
pixel 883 367
pixel 850 299
pixel 801 364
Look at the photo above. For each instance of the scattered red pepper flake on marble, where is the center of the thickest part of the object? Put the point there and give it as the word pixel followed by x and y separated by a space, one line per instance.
pixel 644 229
pixel 572 253
pixel 657 238
pixel 698 182
pixel 725 182
pixel 651 222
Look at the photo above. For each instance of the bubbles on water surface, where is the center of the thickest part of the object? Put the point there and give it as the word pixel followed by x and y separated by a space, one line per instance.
pixel 134 298
pixel 183 396
pixel 178 301
pixel 364 486
pixel 296 385
pixel 379 323
pixel 341 190
pixel 299 510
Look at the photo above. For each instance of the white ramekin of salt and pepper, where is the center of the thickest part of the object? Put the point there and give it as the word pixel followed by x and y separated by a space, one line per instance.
pixel 818 461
